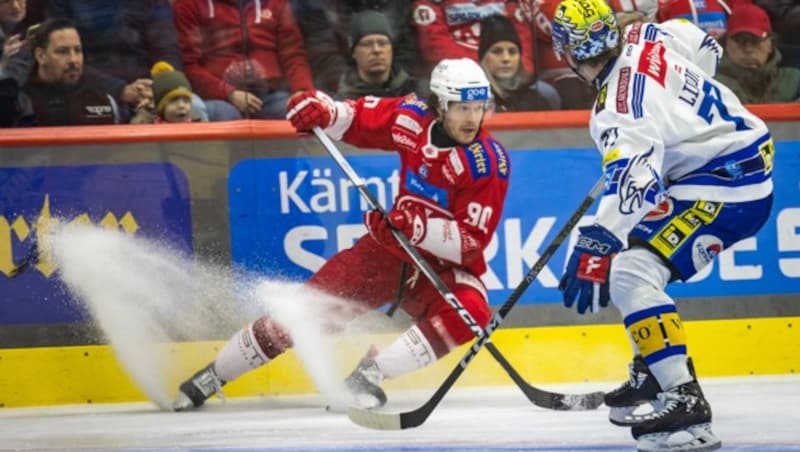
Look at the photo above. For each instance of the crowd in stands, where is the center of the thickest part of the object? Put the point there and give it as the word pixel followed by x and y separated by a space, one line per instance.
pixel 67 62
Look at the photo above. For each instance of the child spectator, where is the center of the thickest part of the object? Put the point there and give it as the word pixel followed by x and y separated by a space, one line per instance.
pixel 499 54
pixel 372 71
pixel 246 53
pixel 750 65
pixel 172 97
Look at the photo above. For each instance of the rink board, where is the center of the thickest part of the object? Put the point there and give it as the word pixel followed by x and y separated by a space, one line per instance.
pixel 545 355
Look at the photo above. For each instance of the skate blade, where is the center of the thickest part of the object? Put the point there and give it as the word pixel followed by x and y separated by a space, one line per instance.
pixel 629 416
pixel 696 438
pixel 366 401
pixel 182 403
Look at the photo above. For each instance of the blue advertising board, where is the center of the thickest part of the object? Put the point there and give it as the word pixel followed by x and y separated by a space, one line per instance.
pixel 149 199
pixel 290 214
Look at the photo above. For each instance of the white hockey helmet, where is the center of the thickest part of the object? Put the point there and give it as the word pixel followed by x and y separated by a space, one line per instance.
pixel 459 80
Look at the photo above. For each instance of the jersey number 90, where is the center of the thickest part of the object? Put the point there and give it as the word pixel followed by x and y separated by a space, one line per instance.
pixel 479 216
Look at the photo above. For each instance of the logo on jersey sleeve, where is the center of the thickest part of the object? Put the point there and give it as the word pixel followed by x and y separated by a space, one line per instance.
pixel 417 106
pixel 652 62
pixel 478 159
pixel 502 158
pixel 704 249
pixel 634 33
pixel 409 123
pixel 622 89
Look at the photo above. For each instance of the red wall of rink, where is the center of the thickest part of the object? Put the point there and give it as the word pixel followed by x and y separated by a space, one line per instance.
pixel 260 129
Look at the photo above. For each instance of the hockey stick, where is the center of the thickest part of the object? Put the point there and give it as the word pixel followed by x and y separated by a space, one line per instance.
pixel 538 396
pixel 414 418
pixel 419 261
pixel 400 289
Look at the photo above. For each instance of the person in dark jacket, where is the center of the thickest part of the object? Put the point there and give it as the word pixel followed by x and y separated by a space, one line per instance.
pixel 325 25
pixel 372 71
pixel 500 56
pixel 750 66
pixel 62 90
pixel 124 39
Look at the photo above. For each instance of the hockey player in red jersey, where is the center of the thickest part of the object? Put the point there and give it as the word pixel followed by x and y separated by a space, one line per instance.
pixel 453 182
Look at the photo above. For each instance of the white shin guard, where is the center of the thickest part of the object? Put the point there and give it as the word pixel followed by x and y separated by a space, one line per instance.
pixel 409 352
pixel 637 282
pixel 241 354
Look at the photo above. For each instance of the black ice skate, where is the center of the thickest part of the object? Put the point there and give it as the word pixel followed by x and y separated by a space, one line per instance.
pixel 365 383
pixel 196 390
pixel 682 424
pixel 641 388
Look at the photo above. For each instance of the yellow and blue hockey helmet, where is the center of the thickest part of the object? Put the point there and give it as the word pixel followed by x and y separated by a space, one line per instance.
pixel 584 28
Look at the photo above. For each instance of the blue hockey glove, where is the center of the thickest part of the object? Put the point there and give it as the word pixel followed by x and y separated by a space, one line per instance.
pixel 586 277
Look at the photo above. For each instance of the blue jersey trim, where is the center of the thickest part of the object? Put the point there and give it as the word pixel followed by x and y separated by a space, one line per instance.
pixel 638 95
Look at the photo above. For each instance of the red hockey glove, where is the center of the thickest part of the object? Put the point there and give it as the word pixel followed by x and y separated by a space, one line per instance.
pixel 411 223
pixel 310 109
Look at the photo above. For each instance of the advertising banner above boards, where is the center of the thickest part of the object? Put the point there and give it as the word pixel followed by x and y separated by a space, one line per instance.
pixel 151 199
pixel 288 215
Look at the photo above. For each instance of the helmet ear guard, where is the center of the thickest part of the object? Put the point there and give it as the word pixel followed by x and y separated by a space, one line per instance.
pixel 459 80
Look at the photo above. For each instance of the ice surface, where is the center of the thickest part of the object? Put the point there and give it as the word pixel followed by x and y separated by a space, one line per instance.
pixel 750 413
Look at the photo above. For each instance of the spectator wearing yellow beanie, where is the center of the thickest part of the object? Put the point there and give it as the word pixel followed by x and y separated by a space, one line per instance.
pixel 172 97
pixel 172 94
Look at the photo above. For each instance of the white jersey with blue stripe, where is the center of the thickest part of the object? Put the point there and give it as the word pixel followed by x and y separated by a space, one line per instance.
pixel 666 127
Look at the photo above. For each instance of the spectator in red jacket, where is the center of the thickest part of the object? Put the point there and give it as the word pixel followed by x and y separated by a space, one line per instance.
pixel 451 28
pixel 253 74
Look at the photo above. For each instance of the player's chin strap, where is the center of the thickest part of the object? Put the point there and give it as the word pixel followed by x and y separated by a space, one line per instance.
pixel 539 397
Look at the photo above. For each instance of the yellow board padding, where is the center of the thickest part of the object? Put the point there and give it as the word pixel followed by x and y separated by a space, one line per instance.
pixel 543 355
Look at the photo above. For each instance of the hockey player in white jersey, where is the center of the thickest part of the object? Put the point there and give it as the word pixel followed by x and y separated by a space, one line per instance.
pixel 688 174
